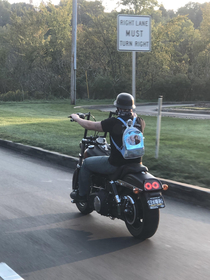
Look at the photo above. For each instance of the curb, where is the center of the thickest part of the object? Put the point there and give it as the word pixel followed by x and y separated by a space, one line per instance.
pixel 53 157
pixel 186 111
pixel 186 192
pixel 192 194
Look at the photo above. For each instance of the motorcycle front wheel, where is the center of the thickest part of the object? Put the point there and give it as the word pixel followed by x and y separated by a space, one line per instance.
pixel 84 208
pixel 140 221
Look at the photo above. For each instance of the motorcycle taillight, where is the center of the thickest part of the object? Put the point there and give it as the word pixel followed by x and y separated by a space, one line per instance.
pixel 152 185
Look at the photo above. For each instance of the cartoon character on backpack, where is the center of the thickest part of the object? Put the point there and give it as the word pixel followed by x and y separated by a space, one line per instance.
pixel 134 140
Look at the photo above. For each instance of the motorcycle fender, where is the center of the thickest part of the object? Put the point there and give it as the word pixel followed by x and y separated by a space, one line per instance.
pixel 154 200
pixel 137 179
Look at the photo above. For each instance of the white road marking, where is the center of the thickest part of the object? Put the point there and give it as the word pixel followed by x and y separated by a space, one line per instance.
pixel 49 181
pixel 6 273
pixel 64 180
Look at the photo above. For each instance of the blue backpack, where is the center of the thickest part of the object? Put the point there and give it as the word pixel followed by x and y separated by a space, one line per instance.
pixel 132 141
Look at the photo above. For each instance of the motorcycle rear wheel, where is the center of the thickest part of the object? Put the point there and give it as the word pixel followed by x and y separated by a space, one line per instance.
pixel 141 222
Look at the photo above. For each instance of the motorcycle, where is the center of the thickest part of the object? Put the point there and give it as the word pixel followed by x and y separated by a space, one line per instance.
pixel 131 193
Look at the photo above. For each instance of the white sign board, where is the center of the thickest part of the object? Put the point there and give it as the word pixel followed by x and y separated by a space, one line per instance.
pixel 133 33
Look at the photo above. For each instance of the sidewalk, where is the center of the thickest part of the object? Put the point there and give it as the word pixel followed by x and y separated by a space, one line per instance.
pixel 185 192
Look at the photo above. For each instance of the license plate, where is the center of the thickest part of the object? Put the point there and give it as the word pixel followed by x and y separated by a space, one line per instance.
pixel 155 202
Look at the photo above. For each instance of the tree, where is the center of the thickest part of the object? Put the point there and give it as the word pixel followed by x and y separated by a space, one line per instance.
pixel 4 82
pixel 88 9
pixel 35 51
pixel 97 53
pixel 166 14
pixel 203 59
pixel 205 25
pixel 193 11
pixel 169 59
pixel 39 41
pixel 4 13
pixel 140 6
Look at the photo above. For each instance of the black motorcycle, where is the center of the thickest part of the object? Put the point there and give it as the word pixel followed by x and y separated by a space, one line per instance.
pixel 131 194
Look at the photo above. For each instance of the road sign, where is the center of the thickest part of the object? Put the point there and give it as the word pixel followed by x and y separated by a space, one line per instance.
pixel 133 33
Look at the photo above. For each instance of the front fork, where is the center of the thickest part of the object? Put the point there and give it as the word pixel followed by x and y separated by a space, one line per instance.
pixel 79 164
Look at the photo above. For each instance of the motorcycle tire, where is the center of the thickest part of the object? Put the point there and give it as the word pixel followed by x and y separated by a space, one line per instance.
pixel 141 222
pixel 75 179
pixel 84 208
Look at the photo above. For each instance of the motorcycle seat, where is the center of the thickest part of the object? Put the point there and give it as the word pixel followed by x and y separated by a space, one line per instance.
pixel 127 169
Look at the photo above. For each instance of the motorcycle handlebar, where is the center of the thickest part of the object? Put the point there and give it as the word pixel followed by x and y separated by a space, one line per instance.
pixel 84 115
pixel 81 115
pixel 89 141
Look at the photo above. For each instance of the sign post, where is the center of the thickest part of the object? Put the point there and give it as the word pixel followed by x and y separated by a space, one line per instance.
pixel 74 53
pixel 134 75
pixel 133 35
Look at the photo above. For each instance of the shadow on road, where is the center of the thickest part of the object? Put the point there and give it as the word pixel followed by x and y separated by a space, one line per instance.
pixel 48 242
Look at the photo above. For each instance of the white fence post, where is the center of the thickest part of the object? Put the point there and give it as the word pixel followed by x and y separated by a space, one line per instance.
pixel 160 100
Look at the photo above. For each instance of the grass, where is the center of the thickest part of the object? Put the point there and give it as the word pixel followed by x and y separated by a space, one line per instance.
pixel 184 143
pixel 183 154
pixel 196 108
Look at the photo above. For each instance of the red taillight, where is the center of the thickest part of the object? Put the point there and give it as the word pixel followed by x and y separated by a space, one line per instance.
pixel 155 185
pixel 152 185
pixel 148 186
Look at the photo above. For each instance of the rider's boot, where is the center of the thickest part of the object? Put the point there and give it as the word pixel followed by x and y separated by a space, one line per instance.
pixel 76 197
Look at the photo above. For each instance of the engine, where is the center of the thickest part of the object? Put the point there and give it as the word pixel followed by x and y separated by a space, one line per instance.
pixel 101 203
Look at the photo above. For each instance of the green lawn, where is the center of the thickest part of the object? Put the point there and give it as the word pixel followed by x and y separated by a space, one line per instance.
pixel 184 143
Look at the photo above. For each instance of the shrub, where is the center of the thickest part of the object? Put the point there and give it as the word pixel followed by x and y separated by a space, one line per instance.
pixel 82 87
pixel 17 95
pixel 37 95
pixel 172 88
pixel 102 88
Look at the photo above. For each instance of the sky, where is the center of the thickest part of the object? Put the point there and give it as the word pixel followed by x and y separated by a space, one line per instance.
pixel 110 4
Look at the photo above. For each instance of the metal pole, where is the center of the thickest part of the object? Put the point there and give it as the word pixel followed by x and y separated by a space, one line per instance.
pixel 87 84
pixel 134 75
pixel 160 100
pixel 74 53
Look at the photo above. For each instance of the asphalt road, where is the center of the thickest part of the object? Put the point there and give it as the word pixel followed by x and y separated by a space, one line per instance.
pixel 152 110
pixel 44 237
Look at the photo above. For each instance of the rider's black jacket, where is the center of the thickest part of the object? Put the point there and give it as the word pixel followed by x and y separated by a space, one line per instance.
pixel 116 129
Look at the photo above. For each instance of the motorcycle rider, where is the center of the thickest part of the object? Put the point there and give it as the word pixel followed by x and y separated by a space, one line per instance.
pixel 106 164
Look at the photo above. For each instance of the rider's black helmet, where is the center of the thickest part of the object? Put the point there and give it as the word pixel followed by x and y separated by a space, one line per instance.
pixel 125 101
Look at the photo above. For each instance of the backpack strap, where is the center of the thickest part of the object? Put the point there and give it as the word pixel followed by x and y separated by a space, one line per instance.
pixel 134 120
pixel 116 146
pixel 122 121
